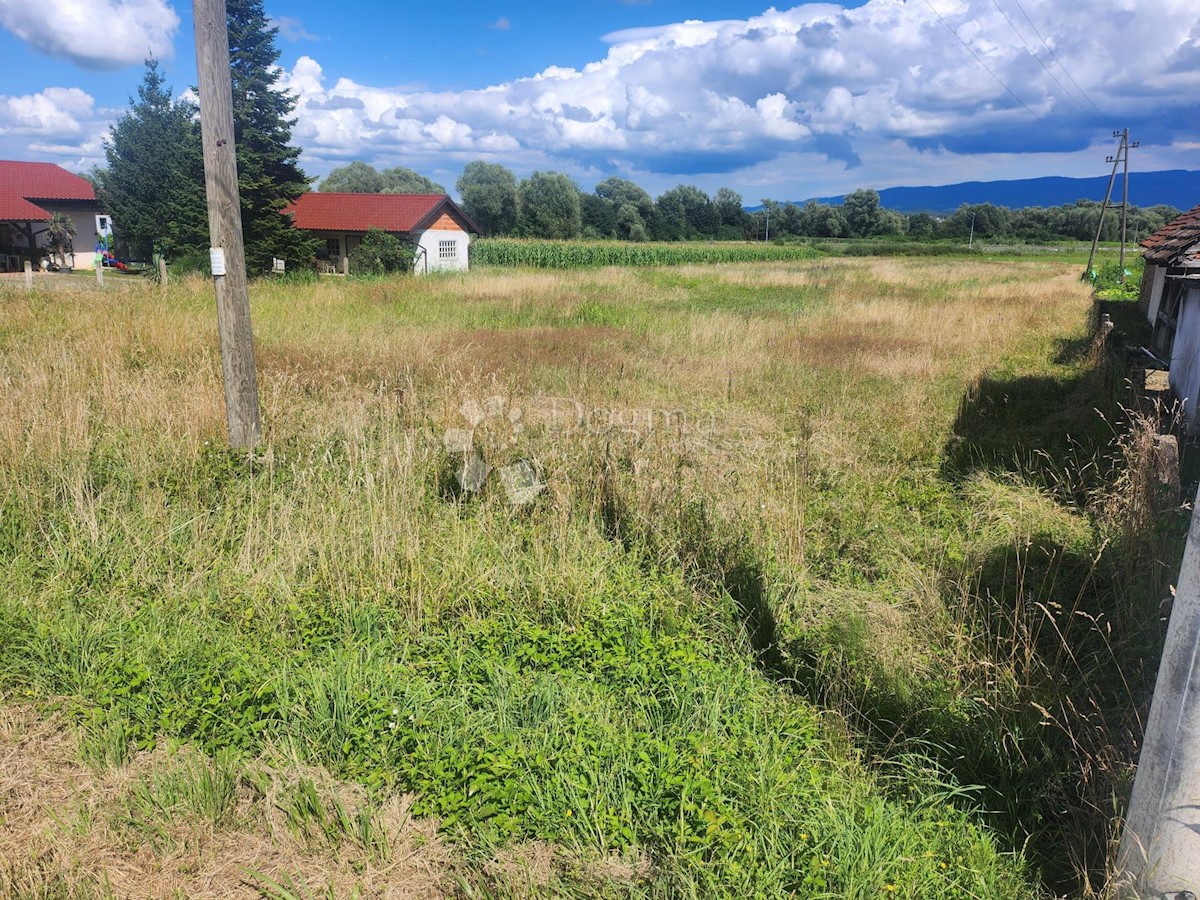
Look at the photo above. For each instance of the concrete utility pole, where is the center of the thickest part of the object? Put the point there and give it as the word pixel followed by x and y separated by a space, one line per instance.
pixel 1122 156
pixel 1125 200
pixel 225 224
pixel 1160 846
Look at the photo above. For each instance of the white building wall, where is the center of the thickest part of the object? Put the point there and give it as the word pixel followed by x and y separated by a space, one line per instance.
pixel 1185 355
pixel 84 241
pixel 431 257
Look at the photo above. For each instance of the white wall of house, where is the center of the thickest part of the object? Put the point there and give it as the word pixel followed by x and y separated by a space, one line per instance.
pixel 1185 355
pixel 438 249
pixel 84 241
pixel 443 250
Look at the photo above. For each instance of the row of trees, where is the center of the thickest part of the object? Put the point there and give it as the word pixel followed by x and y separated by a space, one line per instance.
pixel 153 184
pixel 551 205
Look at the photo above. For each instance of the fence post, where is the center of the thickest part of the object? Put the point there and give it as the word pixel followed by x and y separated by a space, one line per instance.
pixel 99 273
pixel 28 275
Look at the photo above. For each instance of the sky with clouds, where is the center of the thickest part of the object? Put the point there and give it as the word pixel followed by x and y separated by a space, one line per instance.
pixel 785 102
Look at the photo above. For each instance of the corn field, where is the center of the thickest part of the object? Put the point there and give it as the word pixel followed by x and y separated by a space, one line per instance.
pixel 592 254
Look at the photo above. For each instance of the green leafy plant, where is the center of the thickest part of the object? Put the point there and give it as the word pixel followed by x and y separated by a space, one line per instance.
pixel 381 253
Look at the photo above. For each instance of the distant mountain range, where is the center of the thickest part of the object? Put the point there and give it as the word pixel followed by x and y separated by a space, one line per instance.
pixel 1175 187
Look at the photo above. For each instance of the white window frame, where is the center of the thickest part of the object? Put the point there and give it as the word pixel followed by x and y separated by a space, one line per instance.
pixel 447 250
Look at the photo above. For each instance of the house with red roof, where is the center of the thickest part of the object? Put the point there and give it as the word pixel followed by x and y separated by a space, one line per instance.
pixel 1170 298
pixel 30 193
pixel 438 229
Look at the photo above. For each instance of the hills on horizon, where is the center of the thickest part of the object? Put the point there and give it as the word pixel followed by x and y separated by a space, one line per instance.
pixel 1173 187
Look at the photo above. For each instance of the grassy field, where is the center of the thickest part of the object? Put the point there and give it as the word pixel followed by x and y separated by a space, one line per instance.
pixel 826 578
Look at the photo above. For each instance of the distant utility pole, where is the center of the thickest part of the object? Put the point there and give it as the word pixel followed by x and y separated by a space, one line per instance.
pixel 227 251
pixel 767 239
pixel 971 239
pixel 1122 158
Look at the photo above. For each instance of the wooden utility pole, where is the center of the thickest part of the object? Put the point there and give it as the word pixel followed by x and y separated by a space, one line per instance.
pixel 227 251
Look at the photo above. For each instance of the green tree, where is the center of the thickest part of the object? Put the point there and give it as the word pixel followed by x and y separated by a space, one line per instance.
pixel 154 184
pixel 381 253
pixel 361 178
pixel 550 206
pixel 489 196
pixel 864 214
pixel 686 212
pixel 60 235
pixel 619 192
pixel 921 225
pixel 599 217
pixel 630 224
pixel 354 178
pixel 730 208
pixel 822 220
pixel 399 180
pixel 269 174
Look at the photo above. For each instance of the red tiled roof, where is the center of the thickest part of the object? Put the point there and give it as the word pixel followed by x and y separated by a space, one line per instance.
pixel 23 182
pixel 21 210
pixel 321 211
pixel 1178 242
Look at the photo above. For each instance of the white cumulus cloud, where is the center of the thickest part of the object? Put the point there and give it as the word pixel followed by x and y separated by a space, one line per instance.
pixel 62 124
pixel 95 34
pixel 890 80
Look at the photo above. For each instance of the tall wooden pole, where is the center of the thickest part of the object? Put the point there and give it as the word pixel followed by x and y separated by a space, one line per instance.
pixel 225 224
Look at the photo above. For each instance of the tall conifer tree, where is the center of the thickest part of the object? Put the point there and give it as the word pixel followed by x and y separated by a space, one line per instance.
pixel 154 184
pixel 269 174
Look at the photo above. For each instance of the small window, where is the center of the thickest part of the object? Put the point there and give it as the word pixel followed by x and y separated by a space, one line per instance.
pixel 447 250
pixel 333 247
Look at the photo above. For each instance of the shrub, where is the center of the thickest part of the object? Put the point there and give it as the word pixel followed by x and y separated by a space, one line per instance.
pixel 381 253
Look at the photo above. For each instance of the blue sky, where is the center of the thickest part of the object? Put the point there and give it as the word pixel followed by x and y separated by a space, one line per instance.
pixel 784 102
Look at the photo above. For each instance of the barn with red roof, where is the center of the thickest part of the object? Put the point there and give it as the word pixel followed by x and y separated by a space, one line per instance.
pixel 438 229
pixel 30 194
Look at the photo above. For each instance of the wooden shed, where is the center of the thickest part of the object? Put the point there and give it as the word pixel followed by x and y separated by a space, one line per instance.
pixel 1170 299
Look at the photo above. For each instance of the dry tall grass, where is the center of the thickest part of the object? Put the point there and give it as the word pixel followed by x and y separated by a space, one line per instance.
pixel 807 403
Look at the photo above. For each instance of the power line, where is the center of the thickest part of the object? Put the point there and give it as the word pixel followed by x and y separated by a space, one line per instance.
pixel 979 60
pixel 1049 71
pixel 1054 56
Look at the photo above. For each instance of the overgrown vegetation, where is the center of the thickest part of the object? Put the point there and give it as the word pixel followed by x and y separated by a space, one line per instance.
pixel 840 584
pixel 381 253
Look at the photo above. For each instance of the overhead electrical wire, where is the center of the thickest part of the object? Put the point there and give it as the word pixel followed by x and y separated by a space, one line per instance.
pixel 979 60
pixel 1049 71
pixel 1054 56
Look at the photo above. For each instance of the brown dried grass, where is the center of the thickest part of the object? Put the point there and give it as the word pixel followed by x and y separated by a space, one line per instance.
pixel 57 827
